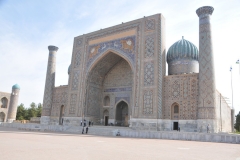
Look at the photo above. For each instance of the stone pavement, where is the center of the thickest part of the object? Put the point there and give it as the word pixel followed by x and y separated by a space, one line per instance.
pixel 17 144
pixel 129 132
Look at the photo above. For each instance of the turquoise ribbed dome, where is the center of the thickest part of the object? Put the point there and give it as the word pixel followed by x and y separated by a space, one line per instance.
pixel 16 86
pixel 182 49
pixel 69 69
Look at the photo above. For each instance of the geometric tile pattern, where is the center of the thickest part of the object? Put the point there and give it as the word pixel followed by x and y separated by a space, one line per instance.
pixel 75 80
pixel 176 89
pixel 73 102
pixel 161 66
pixel 180 90
pixel 149 47
pixel 77 59
pixel 193 88
pixel 127 99
pixel 49 84
pixel 125 46
pixel 94 101
pixel 149 74
pixel 78 42
pixel 207 97
pixel 185 89
pixel 120 75
pixel 60 98
pixel 148 102
pixel 150 24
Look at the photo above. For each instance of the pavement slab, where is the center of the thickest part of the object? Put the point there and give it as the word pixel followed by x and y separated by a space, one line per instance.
pixel 17 144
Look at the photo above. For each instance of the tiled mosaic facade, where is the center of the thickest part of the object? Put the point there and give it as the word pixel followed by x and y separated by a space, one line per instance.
pixel 148 102
pixel 60 96
pixel 149 47
pixel 126 64
pixel 149 74
pixel 179 89
pixel 75 81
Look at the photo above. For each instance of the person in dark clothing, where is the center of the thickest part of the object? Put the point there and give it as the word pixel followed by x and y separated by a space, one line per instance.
pixel 89 123
pixel 179 129
pixel 83 130
pixel 86 130
pixel 92 123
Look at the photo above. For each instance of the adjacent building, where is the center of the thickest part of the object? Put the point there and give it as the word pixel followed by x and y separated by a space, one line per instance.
pixel 8 104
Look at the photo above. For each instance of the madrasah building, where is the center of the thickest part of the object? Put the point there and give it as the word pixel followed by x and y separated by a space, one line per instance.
pixel 118 77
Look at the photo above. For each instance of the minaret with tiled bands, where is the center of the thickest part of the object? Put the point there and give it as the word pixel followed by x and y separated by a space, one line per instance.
pixel 12 111
pixel 206 83
pixel 49 85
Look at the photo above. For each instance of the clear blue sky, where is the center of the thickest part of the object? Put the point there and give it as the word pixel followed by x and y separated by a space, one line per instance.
pixel 27 27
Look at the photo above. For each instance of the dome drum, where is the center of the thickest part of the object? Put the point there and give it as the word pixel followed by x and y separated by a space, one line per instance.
pixel 183 67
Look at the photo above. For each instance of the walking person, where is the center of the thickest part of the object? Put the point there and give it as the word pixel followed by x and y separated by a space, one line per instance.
pixel 83 130
pixel 208 128
pixel 86 130
pixel 89 123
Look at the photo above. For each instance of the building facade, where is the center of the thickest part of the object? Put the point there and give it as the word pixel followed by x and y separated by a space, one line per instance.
pixel 8 104
pixel 118 77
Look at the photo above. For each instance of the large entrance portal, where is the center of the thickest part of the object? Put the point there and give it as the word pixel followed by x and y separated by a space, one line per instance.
pixel 109 80
pixel 121 114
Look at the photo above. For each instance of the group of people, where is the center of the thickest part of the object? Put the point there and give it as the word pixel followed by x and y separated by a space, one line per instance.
pixel 84 124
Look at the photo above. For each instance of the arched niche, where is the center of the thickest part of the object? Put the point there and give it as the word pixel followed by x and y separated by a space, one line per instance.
pixel 4 102
pixel 106 101
pixel 175 111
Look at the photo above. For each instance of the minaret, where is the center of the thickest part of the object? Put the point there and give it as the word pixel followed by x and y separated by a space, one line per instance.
pixel 12 110
pixel 206 82
pixel 49 85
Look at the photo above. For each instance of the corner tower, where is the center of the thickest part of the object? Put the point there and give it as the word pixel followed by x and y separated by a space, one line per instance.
pixel 206 83
pixel 49 85
pixel 12 111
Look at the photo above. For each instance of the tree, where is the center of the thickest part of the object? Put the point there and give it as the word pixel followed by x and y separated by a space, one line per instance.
pixel 39 110
pixel 21 112
pixel 26 113
pixel 237 124
pixel 32 111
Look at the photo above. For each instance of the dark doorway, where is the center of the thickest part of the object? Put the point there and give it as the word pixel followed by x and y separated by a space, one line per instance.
pixel 61 115
pixel 121 114
pixel 175 125
pixel 106 120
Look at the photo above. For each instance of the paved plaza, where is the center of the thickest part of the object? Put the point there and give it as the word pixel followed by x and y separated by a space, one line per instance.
pixel 15 144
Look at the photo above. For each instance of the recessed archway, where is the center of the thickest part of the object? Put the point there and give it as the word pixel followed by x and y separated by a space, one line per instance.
pixel 4 102
pixel 175 111
pixel 110 74
pixel 121 114
pixel 105 117
pixel 175 115
pixel 106 101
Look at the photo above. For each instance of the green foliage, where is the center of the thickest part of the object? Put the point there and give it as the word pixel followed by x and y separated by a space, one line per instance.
pixel 26 113
pixel 237 124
